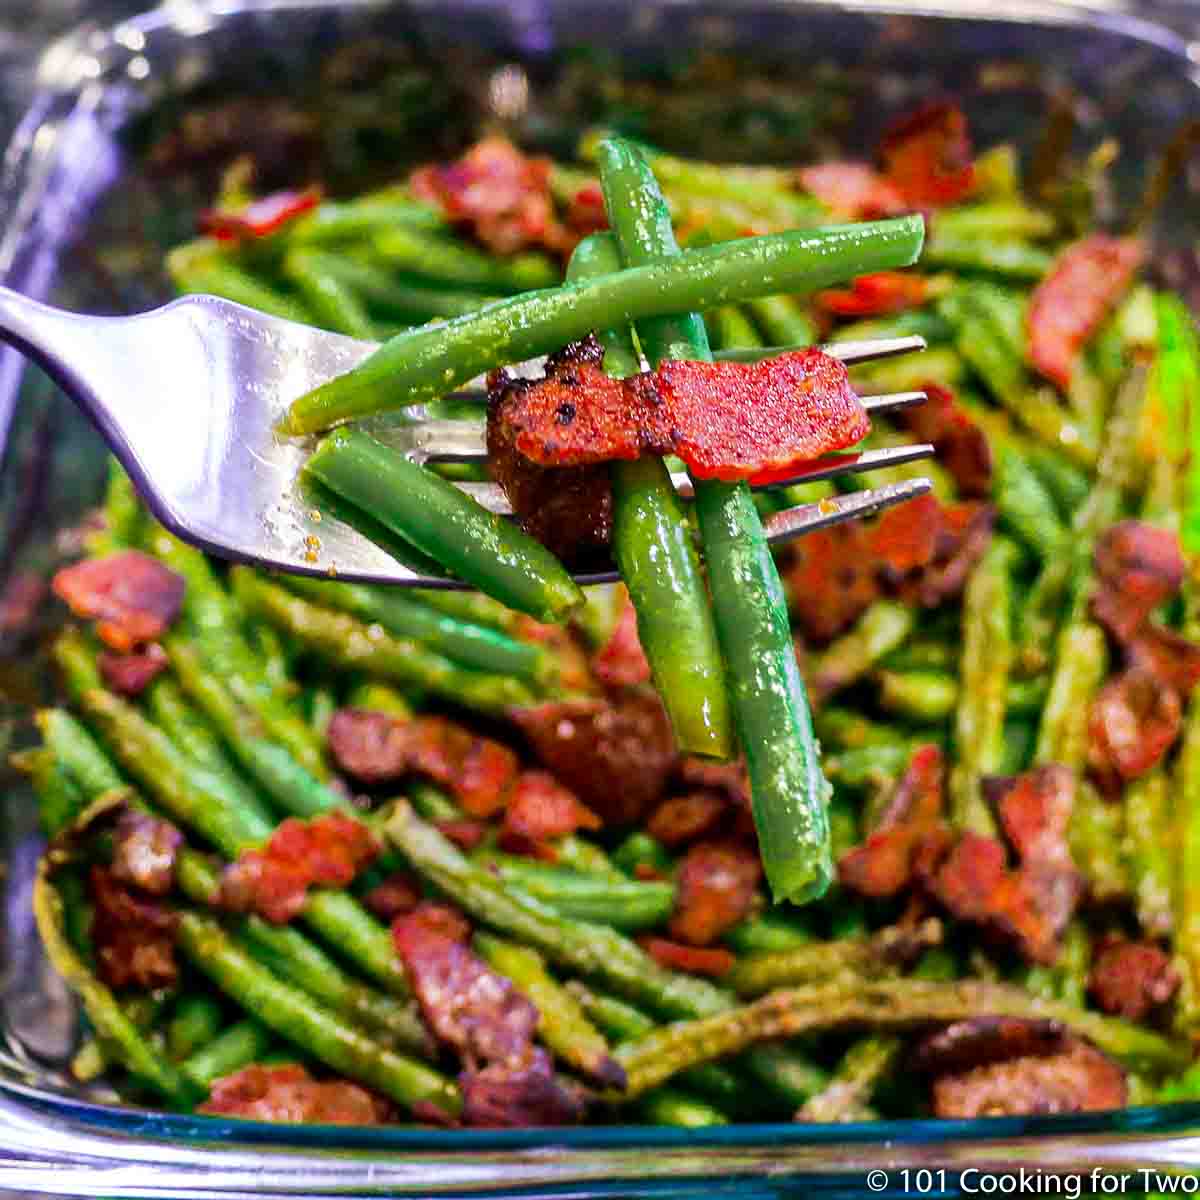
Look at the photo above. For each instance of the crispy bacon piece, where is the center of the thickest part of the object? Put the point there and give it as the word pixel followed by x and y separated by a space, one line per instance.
pixel 981 1041
pixel 328 851
pixel 962 447
pixel 621 661
pixel 725 420
pixel 1077 1079
pixel 875 295
pixel 926 156
pixel 371 747
pixel 1132 979
pixel 910 832
pixel 133 936
pixel 132 597
pixel 715 890
pixel 541 808
pixel 261 217
pixel 712 960
pixel 131 674
pixel 465 834
pixel 440 917
pixel 683 819
pixel 1134 721
pixel 832 579
pixel 1071 301
pixel 1138 567
pixel 616 754
pixel 1168 656
pixel 398 893
pixel 852 190
pixel 288 1093
pixel 144 852
pixel 961 533
pixel 520 1095
pixel 731 779
pixel 500 195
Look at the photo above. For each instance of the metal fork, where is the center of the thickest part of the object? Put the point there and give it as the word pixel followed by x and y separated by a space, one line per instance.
pixel 188 397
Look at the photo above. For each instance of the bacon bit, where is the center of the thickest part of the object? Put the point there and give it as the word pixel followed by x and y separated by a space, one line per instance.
pixel 854 191
pixel 875 295
pixel 1078 1079
pixel 962 534
pixel 261 217
pixel 541 808
pixel 1132 979
pixel 134 938
pixel 1168 656
pixel 725 420
pixel 328 851
pixel 911 831
pixel 981 1041
pixel 926 156
pixel 1134 721
pixel 574 668
pixel 465 834
pixel 1138 567
pixel 962 447
pixel 731 779
pixel 287 1093
pixel 832 580
pixel 586 213
pixel 500 195
pixel 621 661
pixel 692 959
pixel 682 819
pixel 647 872
pixel 144 852
pixel 520 1095
pixel 371 747
pixel 132 597
pixel 398 893
pixel 131 674
pixel 1071 301
pixel 616 754
pixel 716 887
pixel 437 916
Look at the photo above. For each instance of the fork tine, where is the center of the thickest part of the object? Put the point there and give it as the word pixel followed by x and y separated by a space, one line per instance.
pixel 804 518
pixel 891 401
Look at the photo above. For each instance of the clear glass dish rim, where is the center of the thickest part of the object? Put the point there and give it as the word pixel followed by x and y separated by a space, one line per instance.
pixel 71 1137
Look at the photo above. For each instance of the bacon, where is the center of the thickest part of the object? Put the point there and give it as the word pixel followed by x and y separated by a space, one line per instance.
pixel 832 579
pixel 1168 656
pixel 1077 1079
pixel 465 834
pixel 615 754
pixel 692 959
pixel 133 937
pixel 328 851
pixel 962 447
pixel 725 420
pixel 1138 567
pixel 926 156
pixel 541 808
pixel 910 830
pixel 981 1041
pixel 261 217
pixel 961 533
pixel 854 191
pixel 398 893
pixel 131 674
pixel 683 819
pixel 144 852
pixel 440 917
pixel 1134 721
pixel 371 747
pixel 621 661
pixel 1071 301
pixel 132 597
pixel 1132 979
pixel 519 1096
pixel 287 1093
pixel 715 889
pixel 875 295
pixel 731 779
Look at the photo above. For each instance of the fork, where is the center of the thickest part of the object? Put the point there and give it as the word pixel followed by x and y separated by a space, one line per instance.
pixel 188 397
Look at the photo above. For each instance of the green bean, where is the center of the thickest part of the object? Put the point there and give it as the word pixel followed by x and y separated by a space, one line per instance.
pixel 625 904
pixel 194 1023
pixel 926 697
pixel 334 221
pixel 879 631
pixel 60 799
pixel 413 300
pixel 729 328
pixel 562 1023
pixel 235 1047
pixel 850 730
pixel 986 661
pixel 884 1005
pixel 292 1015
pixel 921 322
pixel 1186 794
pixel 1149 847
pixel 770 708
pixel 868 766
pixel 122 515
pixel 475 646
pixel 1095 837
pixel 447 260
pixel 1025 504
pixel 428 362
pixel 216 275
pixel 342 641
pixel 769 933
pixel 908 374
pixel 445 523
pixel 1067 483
pixel 470 606
pixel 1081 666
pixel 1011 258
pixel 995 222
pixel 1177 369
pixel 659 564
pixel 335 306
pixel 593 950
pixel 378 697
pixel 783 1071
pixel 671 1106
pixel 782 320
pixel 865 957
pixel 848 1093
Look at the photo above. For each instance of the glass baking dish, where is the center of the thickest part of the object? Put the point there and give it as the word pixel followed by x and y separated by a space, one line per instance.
pixel 90 195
